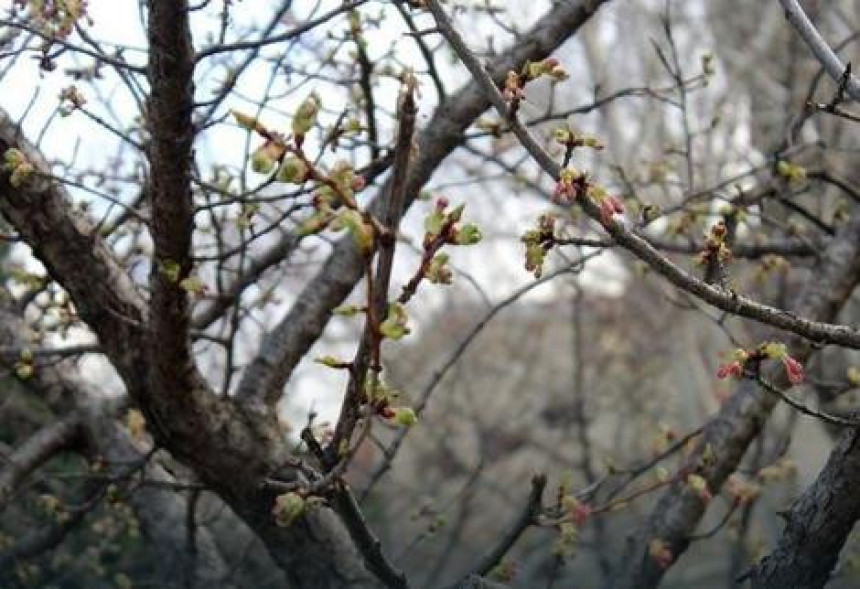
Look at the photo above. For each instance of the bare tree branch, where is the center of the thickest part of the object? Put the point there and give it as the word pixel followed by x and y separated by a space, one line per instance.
pixel 820 48
pixel 293 336
pixel 629 238
pixel 74 255
pixel 728 435
pixel 367 357
pixel 169 111
pixel 37 450
pixel 526 518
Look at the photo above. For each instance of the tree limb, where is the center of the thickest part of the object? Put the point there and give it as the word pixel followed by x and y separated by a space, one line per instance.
pixel 820 48
pixel 727 435
pixel 629 238
pixel 292 337
pixel 169 111
pixel 73 254
pixel 37 450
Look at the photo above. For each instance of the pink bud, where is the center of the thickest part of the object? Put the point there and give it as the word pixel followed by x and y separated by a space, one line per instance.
pixel 732 369
pixel 358 183
pixel 580 514
pixel 793 369
pixel 607 210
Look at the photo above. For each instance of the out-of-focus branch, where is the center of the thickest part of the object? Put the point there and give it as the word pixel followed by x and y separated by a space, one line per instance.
pixel 37 450
pixel 159 510
pixel 43 539
pixel 820 48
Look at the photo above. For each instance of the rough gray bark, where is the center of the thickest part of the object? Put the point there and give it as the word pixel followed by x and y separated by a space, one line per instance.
pixel 728 435
pixel 817 525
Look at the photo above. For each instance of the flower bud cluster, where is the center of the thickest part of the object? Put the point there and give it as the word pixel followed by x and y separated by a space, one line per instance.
pixel 743 360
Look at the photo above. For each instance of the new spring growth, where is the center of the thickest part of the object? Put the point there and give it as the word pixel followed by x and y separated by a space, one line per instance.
pixel 288 508
pixel 538 242
pixel 565 543
pixel 355 223
pixel 338 188
pixel 438 271
pixel 24 366
pixel 577 511
pixel 293 170
pixel 396 324
pixel 661 553
pixel 265 158
pixel 699 485
pixel 741 490
pixel 516 82
pixel 380 398
pixel 56 18
pixel 71 99
pixel 442 224
pixel 793 368
pixel 442 227
pixel 513 91
pixel 571 139
pixel 19 167
pixel 794 173
pixel 305 117
pixel 716 249
pixel 742 360
pixel 571 183
pixel 550 67
pixel 610 205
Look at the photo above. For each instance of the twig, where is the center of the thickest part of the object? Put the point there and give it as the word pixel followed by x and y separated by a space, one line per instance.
pixel 832 419
pixel 822 51
pixel 369 350
pixel 364 538
pixel 629 238
pixel 526 518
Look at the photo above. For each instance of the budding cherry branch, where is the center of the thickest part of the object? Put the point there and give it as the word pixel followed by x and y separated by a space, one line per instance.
pixel 199 282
